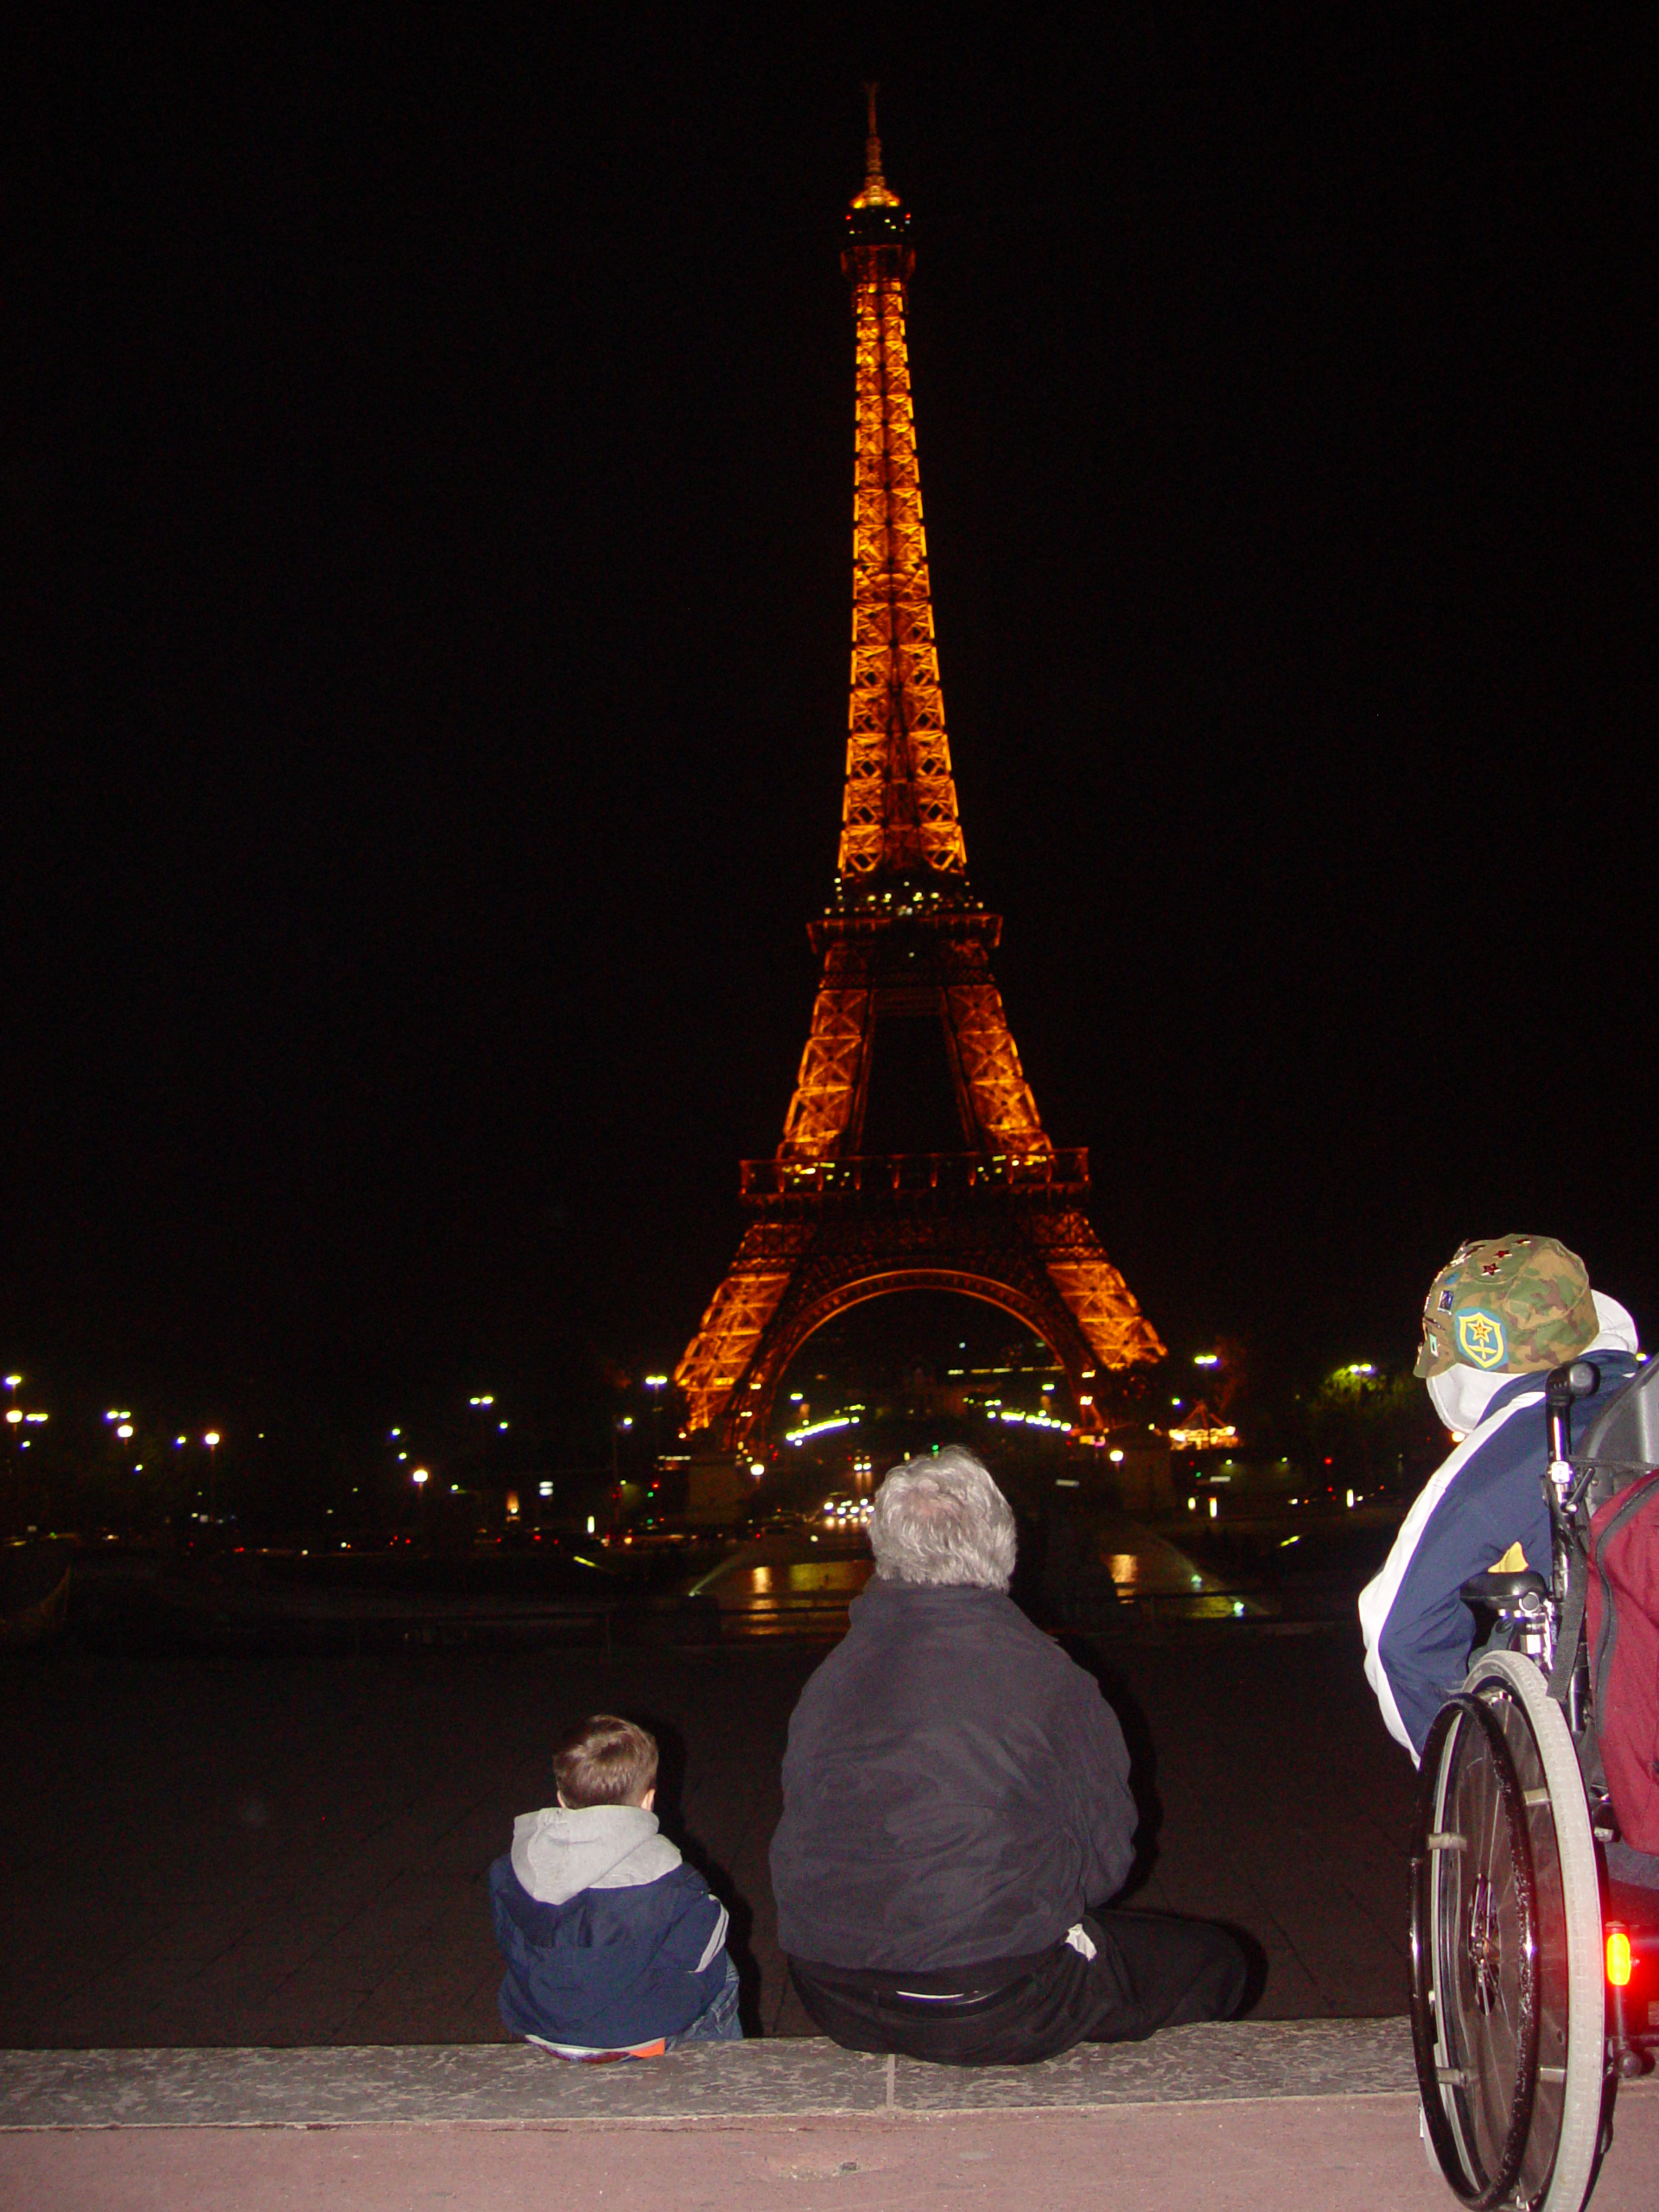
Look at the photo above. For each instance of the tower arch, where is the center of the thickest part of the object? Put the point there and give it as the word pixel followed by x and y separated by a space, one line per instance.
pixel 1036 1314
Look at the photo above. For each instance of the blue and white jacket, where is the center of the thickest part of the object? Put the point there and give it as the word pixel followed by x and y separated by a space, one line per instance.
pixel 611 1941
pixel 1486 1496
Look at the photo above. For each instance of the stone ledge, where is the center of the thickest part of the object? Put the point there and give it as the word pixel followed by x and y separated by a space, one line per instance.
pixel 514 2085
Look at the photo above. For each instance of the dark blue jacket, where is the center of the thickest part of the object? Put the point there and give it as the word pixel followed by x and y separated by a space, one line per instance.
pixel 956 1790
pixel 1487 1496
pixel 608 1967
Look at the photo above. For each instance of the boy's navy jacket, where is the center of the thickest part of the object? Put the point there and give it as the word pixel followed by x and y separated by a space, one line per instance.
pixel 610 1939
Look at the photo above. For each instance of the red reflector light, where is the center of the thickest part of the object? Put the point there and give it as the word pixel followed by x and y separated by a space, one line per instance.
pixel 1618 1957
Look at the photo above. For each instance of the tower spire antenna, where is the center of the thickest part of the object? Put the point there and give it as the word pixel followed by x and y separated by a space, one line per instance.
pixel 876 191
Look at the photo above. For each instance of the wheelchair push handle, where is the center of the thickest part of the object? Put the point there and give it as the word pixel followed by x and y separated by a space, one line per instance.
pixel 1565 1386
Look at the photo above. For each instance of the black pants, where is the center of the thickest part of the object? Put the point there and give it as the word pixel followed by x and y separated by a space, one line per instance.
pixel 1147 1973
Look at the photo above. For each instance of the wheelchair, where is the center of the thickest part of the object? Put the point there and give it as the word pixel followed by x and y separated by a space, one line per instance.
pixel 1531 1992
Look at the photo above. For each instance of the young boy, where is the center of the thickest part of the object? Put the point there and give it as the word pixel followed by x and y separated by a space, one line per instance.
pixel 614 1947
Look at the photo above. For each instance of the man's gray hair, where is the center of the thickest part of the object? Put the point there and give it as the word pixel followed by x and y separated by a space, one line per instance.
pixel 942 1519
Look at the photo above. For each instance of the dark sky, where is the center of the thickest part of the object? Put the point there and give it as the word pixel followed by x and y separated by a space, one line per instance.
pixel 434 474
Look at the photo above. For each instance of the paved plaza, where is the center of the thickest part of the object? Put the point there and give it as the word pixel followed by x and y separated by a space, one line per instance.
pixel 1244 2118
pixel 201 1850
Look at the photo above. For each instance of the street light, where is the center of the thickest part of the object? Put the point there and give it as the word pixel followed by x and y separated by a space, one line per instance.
pixel 212 1441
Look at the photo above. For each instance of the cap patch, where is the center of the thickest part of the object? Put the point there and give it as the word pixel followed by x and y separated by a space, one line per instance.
pixel 1480 1338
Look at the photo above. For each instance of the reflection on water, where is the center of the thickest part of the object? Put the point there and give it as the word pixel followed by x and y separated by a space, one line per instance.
pixel 810 1579
pixel 1155 1568
pixel 1156 1571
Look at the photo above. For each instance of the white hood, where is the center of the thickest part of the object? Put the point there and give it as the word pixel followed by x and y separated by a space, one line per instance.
pixel 557 1852
pixel 1461 1395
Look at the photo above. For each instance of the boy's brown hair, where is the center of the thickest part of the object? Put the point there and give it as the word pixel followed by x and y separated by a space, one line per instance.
pixel 604 1761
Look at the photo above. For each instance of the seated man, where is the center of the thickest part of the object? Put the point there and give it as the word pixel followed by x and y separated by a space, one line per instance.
pixel 956 1812
pixel 614 1945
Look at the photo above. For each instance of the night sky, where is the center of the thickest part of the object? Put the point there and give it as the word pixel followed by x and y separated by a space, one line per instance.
pixel 434 474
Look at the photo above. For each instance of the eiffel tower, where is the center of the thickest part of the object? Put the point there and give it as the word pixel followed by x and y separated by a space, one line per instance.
pixel 830 1223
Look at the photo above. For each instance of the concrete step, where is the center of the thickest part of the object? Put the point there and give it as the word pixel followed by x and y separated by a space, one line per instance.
pixel 503 2084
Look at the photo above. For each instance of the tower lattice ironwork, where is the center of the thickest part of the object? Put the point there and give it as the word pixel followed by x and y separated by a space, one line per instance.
pixel 831 1226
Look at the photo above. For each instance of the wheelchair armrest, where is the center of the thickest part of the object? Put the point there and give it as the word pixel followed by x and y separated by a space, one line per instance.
pixel 1510 1590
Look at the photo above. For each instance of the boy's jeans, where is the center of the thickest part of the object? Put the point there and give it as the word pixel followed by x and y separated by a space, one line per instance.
pixel 719 2023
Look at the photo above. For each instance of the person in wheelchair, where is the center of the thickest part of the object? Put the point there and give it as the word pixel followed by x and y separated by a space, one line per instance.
pixel 1534 1922
pixel 1498 1317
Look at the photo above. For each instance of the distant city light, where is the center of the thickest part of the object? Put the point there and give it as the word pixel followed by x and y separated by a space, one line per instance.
pixel 757 1468
pixel 13 1381
pixel 545 1489
pixel 480 1401
pixel 1207 1359
pixel 396 1433
pixel 181 1440
pixel 418 1476
pixel 1360 1367
pixel 1115 1456
pixel 500 1424
pixel 590 1524
pixel 212 1439
pixel 13 1416
pixel 35 1420
pixel 819 1428
pixel 656 1382
pixel 125 1430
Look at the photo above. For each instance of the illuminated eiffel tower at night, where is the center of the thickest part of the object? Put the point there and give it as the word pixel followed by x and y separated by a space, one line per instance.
pixel 831 1224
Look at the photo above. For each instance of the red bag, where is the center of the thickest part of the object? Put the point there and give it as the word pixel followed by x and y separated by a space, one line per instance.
pixel 1624 1630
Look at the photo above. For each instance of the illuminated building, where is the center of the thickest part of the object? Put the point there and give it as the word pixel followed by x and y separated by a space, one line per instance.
pixel 830 1225
pixel 1202 1431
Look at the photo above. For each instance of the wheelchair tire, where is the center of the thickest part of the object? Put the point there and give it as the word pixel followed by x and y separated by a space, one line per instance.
pixel 1507 2005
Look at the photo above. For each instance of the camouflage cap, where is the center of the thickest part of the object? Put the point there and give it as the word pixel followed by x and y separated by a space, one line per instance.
pixel 1508 1305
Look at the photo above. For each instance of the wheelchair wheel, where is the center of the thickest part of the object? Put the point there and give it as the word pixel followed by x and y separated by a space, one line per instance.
pixel 1507 2002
